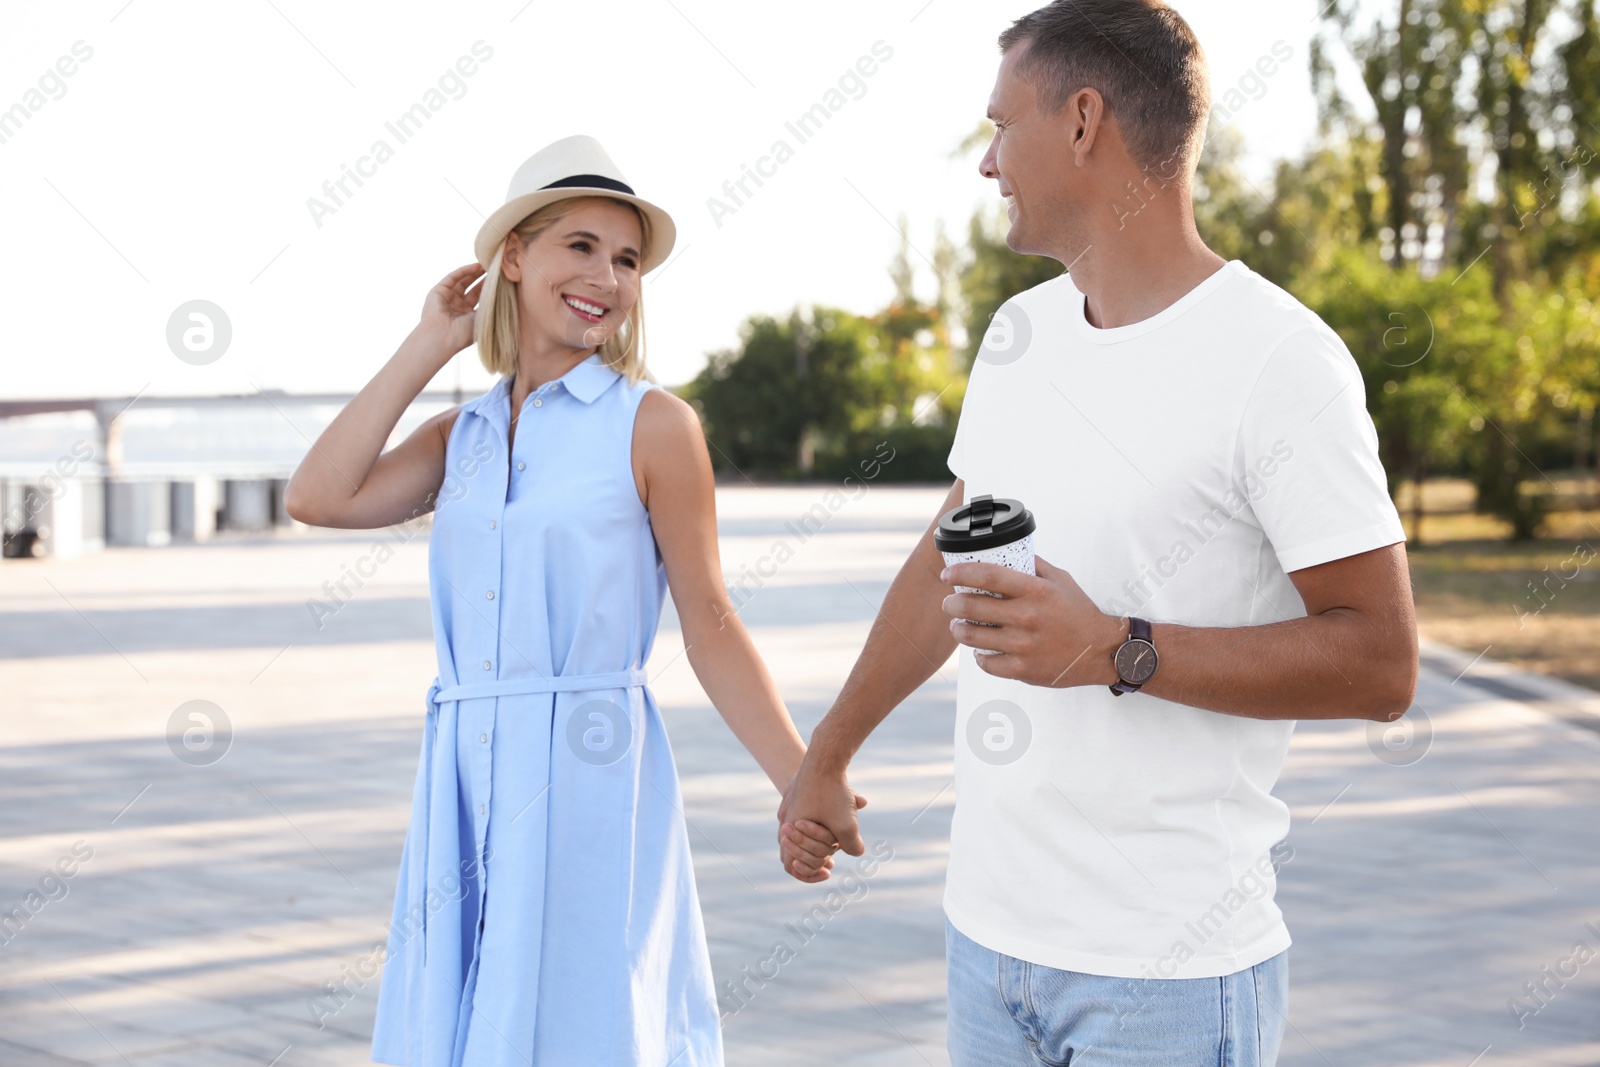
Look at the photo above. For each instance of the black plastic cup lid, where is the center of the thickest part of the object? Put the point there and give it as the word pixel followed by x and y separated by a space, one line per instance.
pixel 986 522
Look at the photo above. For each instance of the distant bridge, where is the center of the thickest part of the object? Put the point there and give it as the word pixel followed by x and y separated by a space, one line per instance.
pixel 106 408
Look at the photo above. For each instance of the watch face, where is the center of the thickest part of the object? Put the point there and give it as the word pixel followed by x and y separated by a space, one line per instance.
pixel 1136 661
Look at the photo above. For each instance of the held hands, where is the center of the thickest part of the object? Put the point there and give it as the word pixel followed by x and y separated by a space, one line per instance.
pixel 1048 631
pixel 814 801
pixel 450 309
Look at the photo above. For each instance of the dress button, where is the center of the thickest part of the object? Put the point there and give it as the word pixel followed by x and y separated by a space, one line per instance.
pixel 485 664
pixel 520 465
pixel 490 594
pixel 484 738
pixel 491 524
pixel 537 402
pixel 480 809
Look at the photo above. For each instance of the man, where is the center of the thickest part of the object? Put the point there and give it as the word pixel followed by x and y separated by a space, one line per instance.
pixel 1195 447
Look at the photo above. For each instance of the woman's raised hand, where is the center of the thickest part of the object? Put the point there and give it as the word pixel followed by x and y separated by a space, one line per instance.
pixel 450 310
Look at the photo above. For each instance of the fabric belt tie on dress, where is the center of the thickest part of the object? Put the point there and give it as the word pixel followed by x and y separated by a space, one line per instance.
pixel 564 683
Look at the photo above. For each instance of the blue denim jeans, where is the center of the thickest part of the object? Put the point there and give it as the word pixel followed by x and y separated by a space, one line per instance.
pixel 1006 1012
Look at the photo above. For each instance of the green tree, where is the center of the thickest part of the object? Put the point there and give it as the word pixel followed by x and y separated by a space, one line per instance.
pixel 1480 121
pixel 793 385
pixel 816 394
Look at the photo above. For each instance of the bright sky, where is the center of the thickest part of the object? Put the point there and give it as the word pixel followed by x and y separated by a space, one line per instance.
pixel 174 163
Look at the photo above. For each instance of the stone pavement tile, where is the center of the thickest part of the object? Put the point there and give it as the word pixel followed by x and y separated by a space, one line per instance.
pixel 350 1014
pixel 193 1056
pixel 871 995
pixel 13 1054
pixel 823 1045
pixel 1393 1051
pixel 830 1036
pixel 1422 896
pixel 268 959
pixel 59 937
pixel 255 1024
pixel 279 1007
pixel 259 1013
pixel 738 1053
pixel 1571 1013
pixel 920 1051
pixel 1576 1054
pixel 111 1016
pixel 89 1038
pixel 1443 1052
pixel 305 1044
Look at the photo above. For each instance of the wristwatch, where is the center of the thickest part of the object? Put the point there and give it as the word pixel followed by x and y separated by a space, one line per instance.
pixel 1135 659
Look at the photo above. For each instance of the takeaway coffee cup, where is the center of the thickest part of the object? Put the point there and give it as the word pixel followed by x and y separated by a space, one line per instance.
pixel 987 530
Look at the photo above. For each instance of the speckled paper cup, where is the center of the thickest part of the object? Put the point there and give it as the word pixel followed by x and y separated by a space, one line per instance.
pixel 987 530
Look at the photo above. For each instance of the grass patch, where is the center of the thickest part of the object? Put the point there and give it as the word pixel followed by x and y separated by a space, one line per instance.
pixel 1535 604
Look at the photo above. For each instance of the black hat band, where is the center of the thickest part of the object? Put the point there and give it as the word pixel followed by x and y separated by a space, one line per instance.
pixel 597 181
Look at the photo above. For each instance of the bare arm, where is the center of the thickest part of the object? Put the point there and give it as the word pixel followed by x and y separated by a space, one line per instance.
pixel 669 450
pixel 347 480
pixel 908 641
pixel 1353 656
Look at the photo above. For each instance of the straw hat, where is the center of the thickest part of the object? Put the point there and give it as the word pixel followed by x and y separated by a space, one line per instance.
pixel 570 167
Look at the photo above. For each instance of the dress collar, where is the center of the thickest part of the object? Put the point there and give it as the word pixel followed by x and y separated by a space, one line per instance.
pixel 586 381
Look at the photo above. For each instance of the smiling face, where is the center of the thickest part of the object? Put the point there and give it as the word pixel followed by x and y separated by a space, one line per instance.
pixel 1039 161
pixel 578 278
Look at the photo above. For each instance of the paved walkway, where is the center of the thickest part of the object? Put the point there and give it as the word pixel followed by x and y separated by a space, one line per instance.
pixel 210 903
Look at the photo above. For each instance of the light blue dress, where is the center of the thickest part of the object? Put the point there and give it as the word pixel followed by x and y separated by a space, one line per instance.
pixel 546 910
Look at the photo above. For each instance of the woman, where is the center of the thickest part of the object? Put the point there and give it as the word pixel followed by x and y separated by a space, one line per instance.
pixel 546 909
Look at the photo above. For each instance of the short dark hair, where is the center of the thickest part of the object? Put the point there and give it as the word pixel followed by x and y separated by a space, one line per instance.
pixel 1143 59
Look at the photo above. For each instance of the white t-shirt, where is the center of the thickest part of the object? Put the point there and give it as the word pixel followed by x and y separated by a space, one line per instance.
pixel 1178 468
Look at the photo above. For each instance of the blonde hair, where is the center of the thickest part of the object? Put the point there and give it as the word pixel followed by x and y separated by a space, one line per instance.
pixel 497 327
